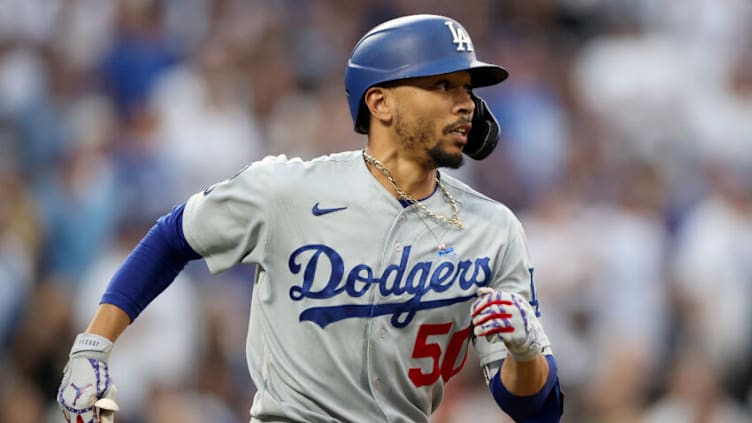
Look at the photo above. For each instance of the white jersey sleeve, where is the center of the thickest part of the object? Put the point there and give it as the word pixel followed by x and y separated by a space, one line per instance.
pixel 227 222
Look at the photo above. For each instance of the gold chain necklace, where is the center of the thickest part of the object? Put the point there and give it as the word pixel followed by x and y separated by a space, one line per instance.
pixel 453 220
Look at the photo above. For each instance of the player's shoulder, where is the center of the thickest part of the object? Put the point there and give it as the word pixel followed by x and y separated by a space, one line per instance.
pixel 472 196
pixel 282 163
pixel 478 203
pixel 339 160
pixel 281 170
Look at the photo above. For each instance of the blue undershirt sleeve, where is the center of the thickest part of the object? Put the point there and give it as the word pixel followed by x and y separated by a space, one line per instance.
pixel 544 407
pixel 151 266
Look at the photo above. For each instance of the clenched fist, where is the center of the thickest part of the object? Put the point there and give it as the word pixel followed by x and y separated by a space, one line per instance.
pixel 509 318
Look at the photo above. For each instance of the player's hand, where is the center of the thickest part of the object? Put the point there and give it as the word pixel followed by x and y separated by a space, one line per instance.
pixel 87 393
pixel 509 318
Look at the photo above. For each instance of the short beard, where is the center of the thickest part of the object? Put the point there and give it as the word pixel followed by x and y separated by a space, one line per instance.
pixel 411 136
pixel 443 159
pixel 418 135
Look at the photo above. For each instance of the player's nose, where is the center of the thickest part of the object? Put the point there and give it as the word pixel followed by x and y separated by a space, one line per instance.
pixel 464 105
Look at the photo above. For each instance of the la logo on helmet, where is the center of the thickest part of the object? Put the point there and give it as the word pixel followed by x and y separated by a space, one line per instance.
pixel 460 37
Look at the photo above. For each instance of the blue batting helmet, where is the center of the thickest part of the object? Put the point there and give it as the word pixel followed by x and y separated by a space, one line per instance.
pixel 408 47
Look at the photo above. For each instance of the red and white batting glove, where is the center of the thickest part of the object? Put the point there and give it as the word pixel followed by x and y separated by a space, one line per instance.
pixel 509 318
pixel 86 394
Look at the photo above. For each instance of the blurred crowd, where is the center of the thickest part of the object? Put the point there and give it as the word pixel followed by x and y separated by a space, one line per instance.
pixel 626 151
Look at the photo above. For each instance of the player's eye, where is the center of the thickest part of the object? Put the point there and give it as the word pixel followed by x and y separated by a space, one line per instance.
pixel 442 85
pixel 446 85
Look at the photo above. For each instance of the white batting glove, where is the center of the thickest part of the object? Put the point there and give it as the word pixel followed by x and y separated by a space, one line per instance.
pixel 509 318
pixel 86 392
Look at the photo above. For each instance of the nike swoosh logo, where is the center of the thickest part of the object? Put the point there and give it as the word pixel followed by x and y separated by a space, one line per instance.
pixel 318 211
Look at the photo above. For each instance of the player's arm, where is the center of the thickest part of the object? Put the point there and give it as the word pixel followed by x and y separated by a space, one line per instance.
pixel 109 321
pixel 524 378
pixel 520 369
pixel 146 273
pixel 149 269
pixel 544 404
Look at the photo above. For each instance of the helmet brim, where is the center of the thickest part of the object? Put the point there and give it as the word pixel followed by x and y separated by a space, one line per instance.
pixel 486 74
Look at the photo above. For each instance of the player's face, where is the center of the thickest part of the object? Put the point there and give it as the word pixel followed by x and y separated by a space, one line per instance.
pixel 432 118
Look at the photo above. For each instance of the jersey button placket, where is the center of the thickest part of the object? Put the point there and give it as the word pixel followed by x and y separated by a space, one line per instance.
pixel 379 332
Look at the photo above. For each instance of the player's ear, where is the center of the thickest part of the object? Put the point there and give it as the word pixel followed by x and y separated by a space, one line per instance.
pixel 379 105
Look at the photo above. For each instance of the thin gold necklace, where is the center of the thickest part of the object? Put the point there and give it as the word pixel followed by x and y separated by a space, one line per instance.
pixel 453 220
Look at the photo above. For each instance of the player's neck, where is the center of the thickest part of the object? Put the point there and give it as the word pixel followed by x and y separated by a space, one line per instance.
pixel 409 174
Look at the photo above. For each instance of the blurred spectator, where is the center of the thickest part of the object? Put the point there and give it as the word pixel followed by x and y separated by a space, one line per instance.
pixel 145 185
pixel 84 31
pixel 205 124
pixel 77 200
pixel 43 120
pixel 20 239
pixel 167 405
pixel 628 295
pixel 721 119
pixel 22 77
pixel 637 84
pixel 606 299
pixel 563 276
pixel 703 27
pixel 713 273
pixel 35 351
pixel 534 125
pixel 140 52
pixel 28 20
pixel 695 395
pixel 20 400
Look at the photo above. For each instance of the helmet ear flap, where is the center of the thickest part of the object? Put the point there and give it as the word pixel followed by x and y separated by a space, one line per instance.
pixel 484 135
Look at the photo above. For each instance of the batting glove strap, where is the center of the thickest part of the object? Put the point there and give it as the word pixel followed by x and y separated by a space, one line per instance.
pixel 92 346
pixel 509 318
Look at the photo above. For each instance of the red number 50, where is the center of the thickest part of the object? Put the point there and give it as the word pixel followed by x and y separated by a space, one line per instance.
pixel 444 368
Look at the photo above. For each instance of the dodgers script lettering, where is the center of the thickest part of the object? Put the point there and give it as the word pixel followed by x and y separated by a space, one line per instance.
pixel 397 279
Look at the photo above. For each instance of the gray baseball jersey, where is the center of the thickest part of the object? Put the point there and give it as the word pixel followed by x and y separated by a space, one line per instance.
pixel 357 315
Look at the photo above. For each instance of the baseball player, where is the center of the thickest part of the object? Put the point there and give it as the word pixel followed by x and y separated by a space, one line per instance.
pixel 375 271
